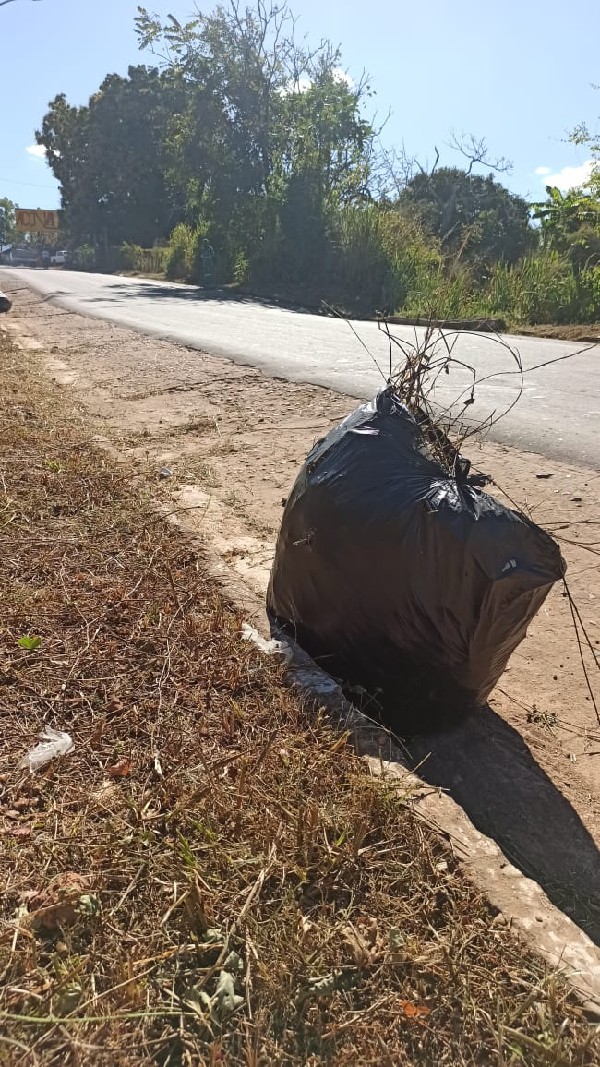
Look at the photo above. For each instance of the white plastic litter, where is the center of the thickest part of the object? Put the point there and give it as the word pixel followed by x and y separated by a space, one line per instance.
pixel 53 743
pixel 280 648
pixel 312 678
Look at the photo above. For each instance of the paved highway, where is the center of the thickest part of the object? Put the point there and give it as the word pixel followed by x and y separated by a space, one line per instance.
pixel 558 414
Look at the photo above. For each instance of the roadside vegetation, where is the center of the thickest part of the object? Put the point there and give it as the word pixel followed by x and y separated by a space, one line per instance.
pixel 244 136
pixel 210 875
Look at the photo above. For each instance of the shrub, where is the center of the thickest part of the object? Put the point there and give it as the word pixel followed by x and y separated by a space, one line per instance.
pixel 181 251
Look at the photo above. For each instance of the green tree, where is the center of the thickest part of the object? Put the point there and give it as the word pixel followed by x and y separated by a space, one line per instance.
pixel 270 134
pixel 325 136
pixel 8 228
pixel 475 218
pixel 582 135
pixel 220 145
pixel 107 157
pixel 570 225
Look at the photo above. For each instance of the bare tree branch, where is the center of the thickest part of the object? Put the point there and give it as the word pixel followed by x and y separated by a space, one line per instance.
pixel 475 150
pixel 392 169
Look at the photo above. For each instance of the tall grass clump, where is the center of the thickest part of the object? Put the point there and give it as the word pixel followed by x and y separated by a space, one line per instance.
pixel 378 256
pixel 184 251
pixel 544 289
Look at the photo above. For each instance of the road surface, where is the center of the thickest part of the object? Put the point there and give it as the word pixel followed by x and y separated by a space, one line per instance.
pixel 558 413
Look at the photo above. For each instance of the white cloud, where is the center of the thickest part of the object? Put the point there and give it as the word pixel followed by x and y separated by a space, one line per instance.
pixel 295 85
pixel 300 85
pixel 542 170
pixel 571 177
pixel 36 150
pixel 340 75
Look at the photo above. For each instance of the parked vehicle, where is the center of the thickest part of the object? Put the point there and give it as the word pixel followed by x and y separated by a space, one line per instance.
pixel 58 259
pixel 25 257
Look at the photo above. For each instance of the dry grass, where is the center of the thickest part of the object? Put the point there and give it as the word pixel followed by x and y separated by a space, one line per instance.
pixel 588 332
pixel 210 876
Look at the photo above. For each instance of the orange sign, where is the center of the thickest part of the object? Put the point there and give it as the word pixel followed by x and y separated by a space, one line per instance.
pixel 36 221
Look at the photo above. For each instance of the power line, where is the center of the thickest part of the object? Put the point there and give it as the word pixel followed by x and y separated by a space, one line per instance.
pixel 34 185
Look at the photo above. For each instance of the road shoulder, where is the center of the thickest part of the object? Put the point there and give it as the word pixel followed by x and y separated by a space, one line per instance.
pixel 221 444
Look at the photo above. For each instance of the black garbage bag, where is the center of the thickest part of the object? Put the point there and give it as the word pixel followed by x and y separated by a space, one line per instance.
pixel 395 575
pixel 5 303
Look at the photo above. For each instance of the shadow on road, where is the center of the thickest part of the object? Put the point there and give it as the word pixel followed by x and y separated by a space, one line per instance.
pixel 158 291
pixel 486 767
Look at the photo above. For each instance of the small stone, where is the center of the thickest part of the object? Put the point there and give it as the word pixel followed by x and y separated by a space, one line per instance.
pixel 165 472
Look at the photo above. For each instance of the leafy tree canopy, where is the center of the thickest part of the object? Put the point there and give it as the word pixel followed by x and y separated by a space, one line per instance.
pixel 259 108
pixel 107 157
pixel 473 216
pixel 8 232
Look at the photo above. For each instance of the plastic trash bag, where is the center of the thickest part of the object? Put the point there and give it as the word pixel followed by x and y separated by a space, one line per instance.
pixel 53 743
pixel 399 577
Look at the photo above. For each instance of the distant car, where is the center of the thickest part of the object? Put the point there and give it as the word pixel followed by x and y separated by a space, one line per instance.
pixel 25 257
pixel 58 259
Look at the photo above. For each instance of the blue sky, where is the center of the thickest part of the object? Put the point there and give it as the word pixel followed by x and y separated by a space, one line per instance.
pixel 520 73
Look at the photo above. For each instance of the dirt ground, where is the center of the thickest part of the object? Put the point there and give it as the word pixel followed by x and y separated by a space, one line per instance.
pixel 225 444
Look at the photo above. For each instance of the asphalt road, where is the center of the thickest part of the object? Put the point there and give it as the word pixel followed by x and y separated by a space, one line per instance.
pixel 557 415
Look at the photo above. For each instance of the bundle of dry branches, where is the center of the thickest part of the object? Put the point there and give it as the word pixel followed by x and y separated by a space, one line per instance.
pixel 414 380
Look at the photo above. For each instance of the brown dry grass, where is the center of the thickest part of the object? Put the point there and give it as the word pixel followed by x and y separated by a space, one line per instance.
pixel 208 837
pixel 586 333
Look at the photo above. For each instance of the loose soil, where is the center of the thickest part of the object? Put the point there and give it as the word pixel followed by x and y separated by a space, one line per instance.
pixel 222 444
pixel 210 876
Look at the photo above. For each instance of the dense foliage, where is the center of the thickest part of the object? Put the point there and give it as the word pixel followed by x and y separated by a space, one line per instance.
pixel 244 142
pixel 8 231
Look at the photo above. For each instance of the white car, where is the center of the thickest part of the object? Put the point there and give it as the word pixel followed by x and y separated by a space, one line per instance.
pixel 58 259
